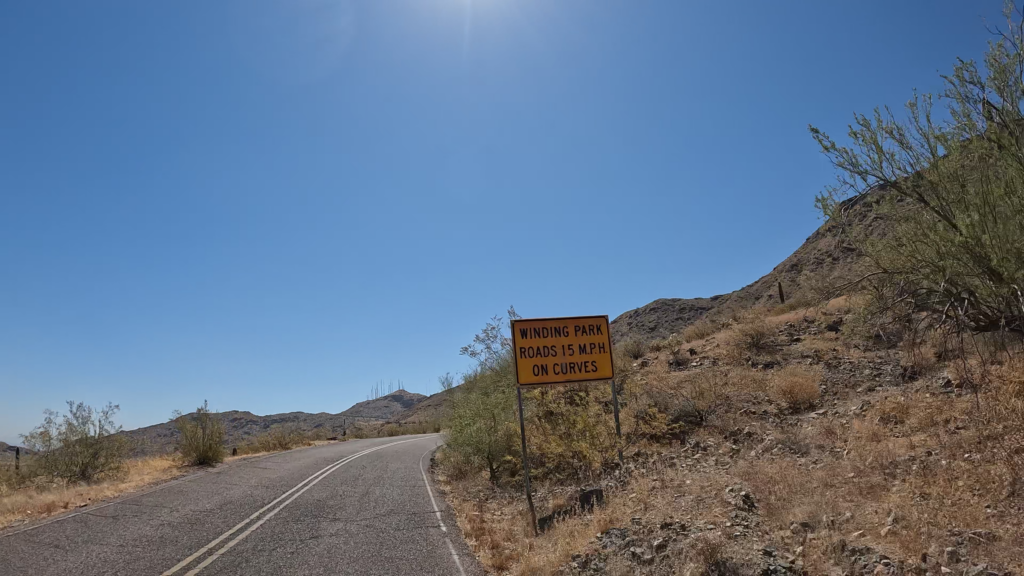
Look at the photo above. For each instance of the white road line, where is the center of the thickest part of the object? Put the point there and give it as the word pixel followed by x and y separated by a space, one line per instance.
pixel 440 521
pixel 308 483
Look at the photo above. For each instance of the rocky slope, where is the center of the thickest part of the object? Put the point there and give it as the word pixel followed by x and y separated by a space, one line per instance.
pixel 827 258
pixel 430 409
pixel 811 453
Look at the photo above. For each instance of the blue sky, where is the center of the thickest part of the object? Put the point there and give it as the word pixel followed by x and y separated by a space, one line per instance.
pixel 271 205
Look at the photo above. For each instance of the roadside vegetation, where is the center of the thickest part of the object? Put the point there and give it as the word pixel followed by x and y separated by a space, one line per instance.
pixel 72 460
pixel 78 458
pixel 200 437
pixel 877 430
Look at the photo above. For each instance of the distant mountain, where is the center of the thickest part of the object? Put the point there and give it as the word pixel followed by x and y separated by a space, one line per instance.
pixel 8 450
pixel 385 407
pixel 241 427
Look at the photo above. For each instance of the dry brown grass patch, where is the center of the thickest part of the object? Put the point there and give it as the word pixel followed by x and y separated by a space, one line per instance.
pixel 42 500
pixel 497 527
pixel 748 341
pixel 797 386
pixel 699 331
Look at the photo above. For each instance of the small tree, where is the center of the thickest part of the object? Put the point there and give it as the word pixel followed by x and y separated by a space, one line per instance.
pixel 481 426
pixel 201 436
pixel 954 191
pixel 81 445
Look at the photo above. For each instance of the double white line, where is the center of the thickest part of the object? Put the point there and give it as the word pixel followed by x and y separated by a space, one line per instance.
pixel 290 495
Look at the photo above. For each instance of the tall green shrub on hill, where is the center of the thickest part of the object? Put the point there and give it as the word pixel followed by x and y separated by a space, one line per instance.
pixel 201 437
pixel 81 445
pixel 952 182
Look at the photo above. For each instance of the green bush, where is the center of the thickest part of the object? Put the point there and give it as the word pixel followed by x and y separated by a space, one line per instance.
pixel 952 191
pixel 82 445
pixel 201 437
pixel 481 426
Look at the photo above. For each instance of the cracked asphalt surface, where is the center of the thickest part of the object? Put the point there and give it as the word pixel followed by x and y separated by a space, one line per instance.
pixel 370 515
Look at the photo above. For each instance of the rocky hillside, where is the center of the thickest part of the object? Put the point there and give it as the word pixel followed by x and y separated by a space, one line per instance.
pixel 242 427
pixel 786 446
pixel 7 449
pixel 430 409
pixel 827 258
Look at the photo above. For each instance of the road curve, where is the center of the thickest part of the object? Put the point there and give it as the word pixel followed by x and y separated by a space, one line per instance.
pixel 357 507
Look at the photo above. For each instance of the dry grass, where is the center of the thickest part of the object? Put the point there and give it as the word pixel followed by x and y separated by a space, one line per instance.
pixel 911 470
pixel 797 386
pixel 923 464
pixel 699 331
pixel 700 397
pixel 496 524
pixel 42 500
pixel 497 528
pixel 634 348
pixel 751 340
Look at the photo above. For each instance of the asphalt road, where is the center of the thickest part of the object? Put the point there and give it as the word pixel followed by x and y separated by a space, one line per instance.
pixel 357 507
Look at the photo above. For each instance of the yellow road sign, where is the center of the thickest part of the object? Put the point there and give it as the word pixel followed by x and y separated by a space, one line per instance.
pixel 562 350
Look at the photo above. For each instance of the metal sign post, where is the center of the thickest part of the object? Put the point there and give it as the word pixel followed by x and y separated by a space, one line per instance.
pixel 526 463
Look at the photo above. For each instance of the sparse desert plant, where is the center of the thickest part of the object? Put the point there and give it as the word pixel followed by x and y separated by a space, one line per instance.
pixel 281 437
pixel 756 336
pixel 81 445
pixel 201 437
pixel 790 306
pixel 797 387
pixel 707 557
pixel 699 330
pixel 693 399
pixel 634 348
pixel 673 342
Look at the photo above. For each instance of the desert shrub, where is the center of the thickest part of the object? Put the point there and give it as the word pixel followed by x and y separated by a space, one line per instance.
pixel 482 431
pixel 753 339
pixel 796 386
pixel 200 437
pixel 699 330
pixel 952 191
pixel 691 400
pixel 791 306
pixel 279 438
pixel 634 348
pixel 707 557
pixel 482 428
pixel 670 343
pixel 81 445
pixel 756 337
pixel 572 436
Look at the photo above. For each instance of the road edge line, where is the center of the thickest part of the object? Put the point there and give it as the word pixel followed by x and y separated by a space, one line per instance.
pixel 437 511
